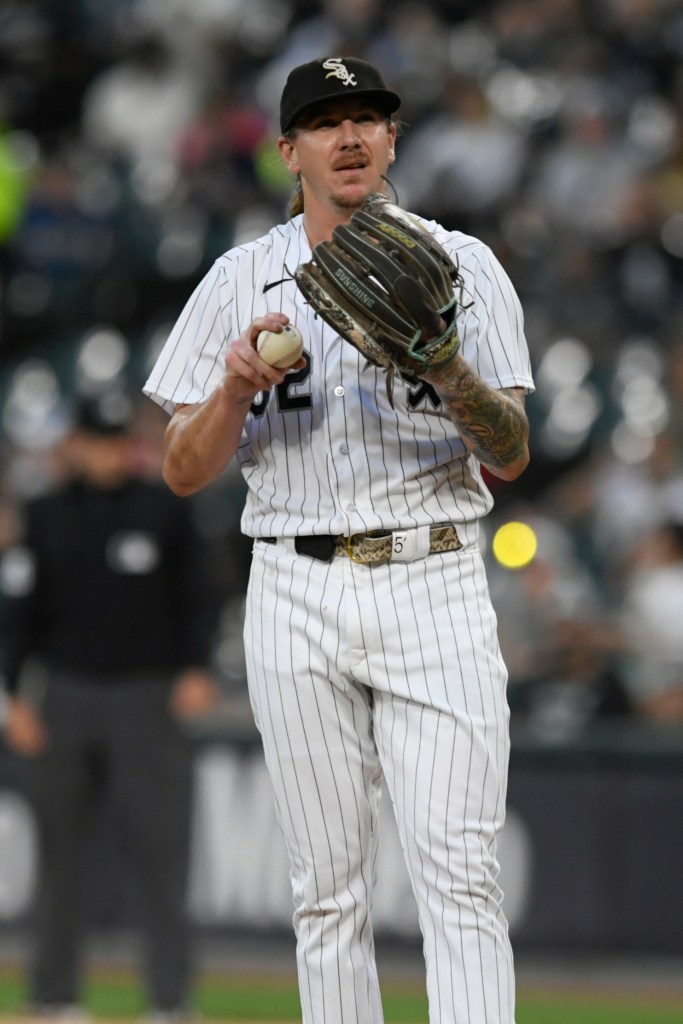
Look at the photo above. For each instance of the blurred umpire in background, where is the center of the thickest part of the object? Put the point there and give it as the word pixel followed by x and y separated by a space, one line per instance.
pixel 109 610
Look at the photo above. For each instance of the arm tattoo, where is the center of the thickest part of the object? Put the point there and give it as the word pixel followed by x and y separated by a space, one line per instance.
pixel 492 423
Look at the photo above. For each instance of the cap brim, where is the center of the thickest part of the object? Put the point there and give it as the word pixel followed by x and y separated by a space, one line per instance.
pixel 388 102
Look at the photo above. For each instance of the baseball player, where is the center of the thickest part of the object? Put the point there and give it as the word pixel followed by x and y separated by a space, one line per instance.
pixel 371 643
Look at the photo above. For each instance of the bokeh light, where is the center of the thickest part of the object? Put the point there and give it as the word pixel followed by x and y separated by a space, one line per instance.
pixel 514 545
pixel 34 415
pixel 19 155
pixel 103 355
pixel 565 364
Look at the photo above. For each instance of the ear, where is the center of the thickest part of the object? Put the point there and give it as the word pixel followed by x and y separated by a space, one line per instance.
pixel 392 143
pixel 287 150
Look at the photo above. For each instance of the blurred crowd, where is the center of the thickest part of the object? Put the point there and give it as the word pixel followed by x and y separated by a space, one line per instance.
pixel 137 143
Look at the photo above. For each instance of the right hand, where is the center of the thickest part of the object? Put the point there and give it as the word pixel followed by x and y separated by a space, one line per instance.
pixel 24 729
pixel 247 374
pixel 201 439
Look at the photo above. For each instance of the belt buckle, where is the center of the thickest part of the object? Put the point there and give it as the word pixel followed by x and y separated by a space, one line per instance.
pixel 349 549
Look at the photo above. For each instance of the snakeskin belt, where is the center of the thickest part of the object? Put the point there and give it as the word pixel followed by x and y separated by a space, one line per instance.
pixel 380 546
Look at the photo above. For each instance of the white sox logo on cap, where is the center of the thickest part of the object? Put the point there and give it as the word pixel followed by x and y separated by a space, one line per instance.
pixel 329 78
pixel 336 68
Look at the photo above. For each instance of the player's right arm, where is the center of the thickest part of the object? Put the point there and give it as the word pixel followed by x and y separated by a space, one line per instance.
pixel 201 439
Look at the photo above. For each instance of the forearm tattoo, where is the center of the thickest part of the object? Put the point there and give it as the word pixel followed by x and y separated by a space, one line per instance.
pixel 492 423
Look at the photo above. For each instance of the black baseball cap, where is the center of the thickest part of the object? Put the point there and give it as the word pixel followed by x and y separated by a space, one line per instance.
pixel 106 415
pixel 329 78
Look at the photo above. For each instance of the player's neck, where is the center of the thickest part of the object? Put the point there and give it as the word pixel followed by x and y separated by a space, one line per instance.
pixel 319 224
pixel 322 216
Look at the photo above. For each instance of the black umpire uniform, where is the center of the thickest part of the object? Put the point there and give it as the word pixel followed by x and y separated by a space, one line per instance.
pixel 109 606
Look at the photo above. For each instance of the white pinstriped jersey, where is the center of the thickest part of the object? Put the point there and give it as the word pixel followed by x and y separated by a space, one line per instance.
pixel 360 672
pixel 325 452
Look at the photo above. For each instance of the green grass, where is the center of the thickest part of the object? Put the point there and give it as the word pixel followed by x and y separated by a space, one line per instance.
pixel 563 1009
pixel 117 995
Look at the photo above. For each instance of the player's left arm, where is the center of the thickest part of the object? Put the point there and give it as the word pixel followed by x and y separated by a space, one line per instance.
pixel 492 423
pixel 490 419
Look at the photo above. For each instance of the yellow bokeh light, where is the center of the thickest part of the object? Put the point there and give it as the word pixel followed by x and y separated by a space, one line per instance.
pixel 514 545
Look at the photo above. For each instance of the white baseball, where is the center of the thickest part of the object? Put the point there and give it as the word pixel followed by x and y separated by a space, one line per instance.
pixel 280 349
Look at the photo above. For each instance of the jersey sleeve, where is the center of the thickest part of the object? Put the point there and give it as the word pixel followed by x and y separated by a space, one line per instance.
pixel 191 363
pixel 491 327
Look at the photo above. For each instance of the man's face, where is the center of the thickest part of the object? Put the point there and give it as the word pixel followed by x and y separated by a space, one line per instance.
pixel 103 460
pixel 340 150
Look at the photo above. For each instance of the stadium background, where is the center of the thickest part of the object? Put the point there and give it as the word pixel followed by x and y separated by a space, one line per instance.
pixel 136 144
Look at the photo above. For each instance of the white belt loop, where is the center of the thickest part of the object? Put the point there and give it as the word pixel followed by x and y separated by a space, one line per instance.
pixel 409 545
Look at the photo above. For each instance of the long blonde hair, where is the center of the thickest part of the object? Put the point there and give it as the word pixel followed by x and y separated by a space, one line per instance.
pixel 295 205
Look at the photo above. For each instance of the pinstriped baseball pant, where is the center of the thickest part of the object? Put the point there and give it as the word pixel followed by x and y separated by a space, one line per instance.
pixel 360 675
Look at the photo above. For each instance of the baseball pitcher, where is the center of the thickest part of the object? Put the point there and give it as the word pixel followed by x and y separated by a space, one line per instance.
pixel 371 641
